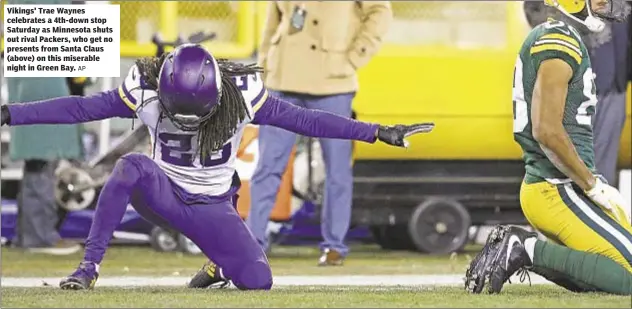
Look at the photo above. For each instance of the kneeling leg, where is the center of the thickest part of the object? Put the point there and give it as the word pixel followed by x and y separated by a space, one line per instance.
pixel 130 173
pixel 596 250
pixel 223 236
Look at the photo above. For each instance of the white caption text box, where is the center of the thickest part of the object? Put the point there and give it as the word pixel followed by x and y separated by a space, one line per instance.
pixel 62 40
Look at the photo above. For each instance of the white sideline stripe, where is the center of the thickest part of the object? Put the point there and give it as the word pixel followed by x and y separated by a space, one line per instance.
pixel 279 281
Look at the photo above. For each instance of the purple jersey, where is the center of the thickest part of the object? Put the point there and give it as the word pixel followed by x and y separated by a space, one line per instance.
pixel 175 149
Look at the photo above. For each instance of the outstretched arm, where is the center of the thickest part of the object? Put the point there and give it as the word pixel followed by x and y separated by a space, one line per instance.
pixel 68 110
pixel 276 112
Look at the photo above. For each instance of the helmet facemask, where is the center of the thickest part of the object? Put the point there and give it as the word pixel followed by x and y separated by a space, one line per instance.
pixel 188 123
pixel 593 27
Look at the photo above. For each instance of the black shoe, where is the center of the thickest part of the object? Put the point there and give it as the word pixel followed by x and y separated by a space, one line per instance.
pixel 511 257
pixel 83 278
pixel 475 275
pixel 209 276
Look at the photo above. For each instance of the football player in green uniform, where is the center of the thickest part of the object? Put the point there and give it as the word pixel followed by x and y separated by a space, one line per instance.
pixel 562 195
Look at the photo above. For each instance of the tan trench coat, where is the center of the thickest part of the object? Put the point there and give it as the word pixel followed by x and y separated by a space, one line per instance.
pixel 337 39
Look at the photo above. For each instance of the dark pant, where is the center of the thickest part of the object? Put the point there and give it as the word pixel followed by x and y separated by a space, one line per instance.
pixel 608 127
pixel 37 210
pixel 275 146
pixel 212 223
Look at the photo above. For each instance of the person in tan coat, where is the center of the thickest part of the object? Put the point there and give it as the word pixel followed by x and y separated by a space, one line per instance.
pixel 311 51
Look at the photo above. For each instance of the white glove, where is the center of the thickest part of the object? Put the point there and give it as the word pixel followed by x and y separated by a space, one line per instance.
pixel 609 199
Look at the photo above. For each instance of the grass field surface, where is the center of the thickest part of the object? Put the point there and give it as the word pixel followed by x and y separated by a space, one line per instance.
pixel 308 297
pixel 122 260
pixel 142 278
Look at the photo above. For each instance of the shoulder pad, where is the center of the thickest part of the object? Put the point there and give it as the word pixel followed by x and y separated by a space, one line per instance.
pixel 134 90
pixel 253 90
pixel 558 26
pixel 556 39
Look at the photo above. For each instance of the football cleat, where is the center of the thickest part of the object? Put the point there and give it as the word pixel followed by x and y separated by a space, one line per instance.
pixel 84 278
pixel 209 276
pixel 475 275
pixel 511 257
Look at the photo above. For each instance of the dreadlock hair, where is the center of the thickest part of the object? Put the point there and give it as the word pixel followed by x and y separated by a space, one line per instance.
pixel 214 132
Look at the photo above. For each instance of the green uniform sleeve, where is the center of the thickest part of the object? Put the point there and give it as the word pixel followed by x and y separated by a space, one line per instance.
pixel 557 43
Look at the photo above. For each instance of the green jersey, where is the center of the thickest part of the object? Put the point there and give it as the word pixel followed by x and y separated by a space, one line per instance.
pixel 554 39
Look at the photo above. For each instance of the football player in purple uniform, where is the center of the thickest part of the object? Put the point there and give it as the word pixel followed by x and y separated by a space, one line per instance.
pixel 196 108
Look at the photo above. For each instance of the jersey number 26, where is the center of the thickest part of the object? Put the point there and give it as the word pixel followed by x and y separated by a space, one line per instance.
pixel 176 149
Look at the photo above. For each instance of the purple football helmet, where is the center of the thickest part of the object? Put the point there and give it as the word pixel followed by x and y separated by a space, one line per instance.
pixel 189 86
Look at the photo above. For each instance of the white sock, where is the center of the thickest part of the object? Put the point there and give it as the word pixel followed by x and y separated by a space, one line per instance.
pixel 529 246
pixel 221 272
pixel 97 267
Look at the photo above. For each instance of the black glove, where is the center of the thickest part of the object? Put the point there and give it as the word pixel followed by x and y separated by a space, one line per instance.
pixel 395 135
pixel 6 117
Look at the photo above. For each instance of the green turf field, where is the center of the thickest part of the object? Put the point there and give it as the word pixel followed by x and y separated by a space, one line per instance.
pixel 285 261
pixel 124 260
pixel 307 297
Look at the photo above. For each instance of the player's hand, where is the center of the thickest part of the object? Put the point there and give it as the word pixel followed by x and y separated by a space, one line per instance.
pixel 609 199
pixel 396 135
pixel 4 111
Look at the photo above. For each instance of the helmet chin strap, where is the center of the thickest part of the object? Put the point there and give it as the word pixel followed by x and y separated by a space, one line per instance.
pixel 591 22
